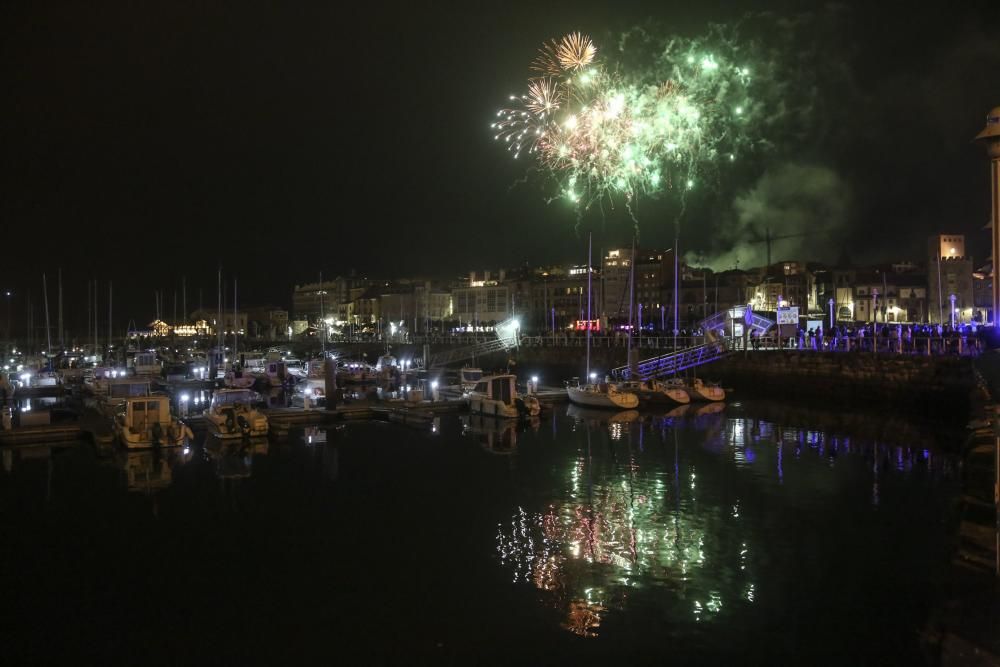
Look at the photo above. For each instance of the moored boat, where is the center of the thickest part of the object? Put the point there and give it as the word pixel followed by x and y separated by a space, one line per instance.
pixel 657 392
pixel 146 421
pixel 700 391
pixel 602 395
pixel 497 395
pixel 231 415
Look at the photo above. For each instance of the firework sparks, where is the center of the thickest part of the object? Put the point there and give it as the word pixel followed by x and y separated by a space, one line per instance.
pixel 601 132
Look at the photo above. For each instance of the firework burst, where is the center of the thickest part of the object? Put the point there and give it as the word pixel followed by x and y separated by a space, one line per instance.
pixel 601 132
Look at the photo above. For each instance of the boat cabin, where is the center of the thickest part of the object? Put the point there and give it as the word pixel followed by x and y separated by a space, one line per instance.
pixel 498 388
pixel 127 387
pixel 140 414
pixel 232 397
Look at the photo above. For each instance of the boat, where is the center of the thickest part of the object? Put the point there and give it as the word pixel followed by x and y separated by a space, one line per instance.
pixel 145 363
pixel 602 395
pixel 700 391
pixel 231 415
pixel 657 392
pixel 312 388
pixel 119 389
pixel 598 395
pixel 239 378
pixel 497 395
pixel 146 421
pixel 35 384
pixel 355 371
pixel 469 377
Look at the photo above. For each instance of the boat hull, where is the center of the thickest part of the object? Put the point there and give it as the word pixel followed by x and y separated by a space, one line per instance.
pixel 598 399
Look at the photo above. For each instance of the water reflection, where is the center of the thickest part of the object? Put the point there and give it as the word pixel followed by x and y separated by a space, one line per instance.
pixel 649 503
pixel 151 470
pixel 234 458
pixel 494 435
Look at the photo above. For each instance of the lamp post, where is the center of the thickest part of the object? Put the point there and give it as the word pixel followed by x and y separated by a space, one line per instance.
pixel 8 294
pixel 874 304
pixel 322 317
pixel 990 137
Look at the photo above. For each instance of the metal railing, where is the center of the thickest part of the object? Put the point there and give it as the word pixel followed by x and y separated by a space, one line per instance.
pixel 674 362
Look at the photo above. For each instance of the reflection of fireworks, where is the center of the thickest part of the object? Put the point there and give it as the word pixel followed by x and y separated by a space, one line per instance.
pixel 601 132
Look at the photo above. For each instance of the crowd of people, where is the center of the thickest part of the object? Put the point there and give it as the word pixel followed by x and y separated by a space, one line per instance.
pixel 882 337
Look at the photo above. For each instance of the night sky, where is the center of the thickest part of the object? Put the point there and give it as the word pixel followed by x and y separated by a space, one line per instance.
pixel 145 141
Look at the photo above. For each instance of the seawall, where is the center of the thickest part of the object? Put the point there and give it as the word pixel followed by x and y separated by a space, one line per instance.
pixel 939 388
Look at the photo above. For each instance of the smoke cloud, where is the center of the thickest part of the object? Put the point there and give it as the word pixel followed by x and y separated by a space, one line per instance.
pixel 804 208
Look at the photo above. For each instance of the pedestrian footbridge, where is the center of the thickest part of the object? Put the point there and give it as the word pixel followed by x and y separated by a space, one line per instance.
pixel 718 343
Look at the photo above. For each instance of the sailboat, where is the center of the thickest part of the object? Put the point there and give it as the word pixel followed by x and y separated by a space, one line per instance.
pixel 652 392
pixel 603 394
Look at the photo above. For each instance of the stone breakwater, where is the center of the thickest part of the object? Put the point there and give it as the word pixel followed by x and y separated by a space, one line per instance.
pixel 934 387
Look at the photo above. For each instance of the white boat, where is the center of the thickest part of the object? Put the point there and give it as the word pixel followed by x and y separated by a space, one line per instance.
pixel 119 389
pixel 657 392
pixel 240 379
pixel 231 415
pixel 311 388
pixel 146 421
pixel 602 395
pixel 705 392
pixel 145 363
pixel 355 371
pixel 497 395
pixel 386 365
pixel 468 378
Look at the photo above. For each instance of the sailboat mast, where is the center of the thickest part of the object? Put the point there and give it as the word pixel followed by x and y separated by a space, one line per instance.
pixel 631 295
pixel 48 332
pixel 236 328
pixel 62 332
pixel 110 331
pixel 590 250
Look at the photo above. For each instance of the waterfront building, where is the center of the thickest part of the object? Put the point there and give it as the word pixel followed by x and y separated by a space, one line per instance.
pixel 949 271
pixel 267 322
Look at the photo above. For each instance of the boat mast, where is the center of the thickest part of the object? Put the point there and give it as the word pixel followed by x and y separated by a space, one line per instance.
pixel 236 328
pixel 48 332
pixel 62 332
pixel 218 327
pixel 110 332
pixel 590 250
pixel 631 299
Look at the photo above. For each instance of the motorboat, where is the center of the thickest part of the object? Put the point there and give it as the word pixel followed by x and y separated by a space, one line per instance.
pixel 355 371
pixel 386 365
pixel 700 391
pixel 469 377
pixel 34 384
pixel 497 395
pixel 120 389
pixel 240 378
pixel 602 395
pixel 313 389
pixel 657 392
pixel 146 421
pixel 231 414
pixel 145 363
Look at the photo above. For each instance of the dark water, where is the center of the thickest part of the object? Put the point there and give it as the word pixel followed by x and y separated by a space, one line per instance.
pixel 712 538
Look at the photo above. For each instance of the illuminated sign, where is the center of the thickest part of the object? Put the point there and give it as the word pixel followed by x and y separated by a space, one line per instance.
pixel 582 325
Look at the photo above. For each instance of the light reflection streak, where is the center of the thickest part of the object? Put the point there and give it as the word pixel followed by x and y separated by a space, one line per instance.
pixel 618 525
